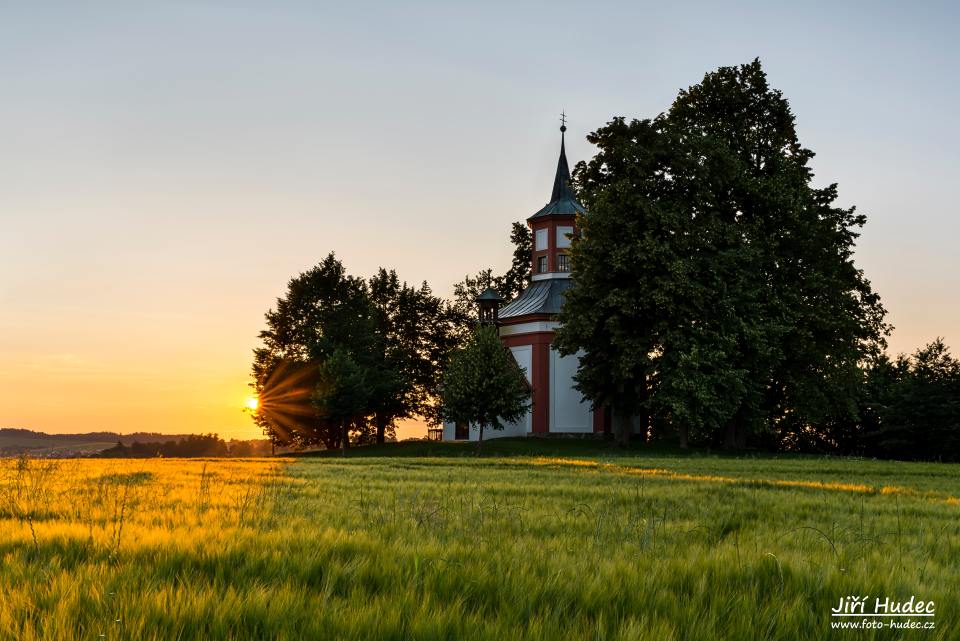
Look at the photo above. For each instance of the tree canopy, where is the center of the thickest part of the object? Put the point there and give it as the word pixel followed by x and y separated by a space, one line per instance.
pixel 715 290
pixel 483 386
pixel 344 357
pixel 912 409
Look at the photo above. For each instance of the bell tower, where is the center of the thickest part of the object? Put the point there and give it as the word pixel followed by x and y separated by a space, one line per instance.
pixel 488 304
pixel 527 323
pixel 554 225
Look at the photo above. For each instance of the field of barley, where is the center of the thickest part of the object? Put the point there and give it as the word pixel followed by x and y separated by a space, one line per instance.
pixel 543 540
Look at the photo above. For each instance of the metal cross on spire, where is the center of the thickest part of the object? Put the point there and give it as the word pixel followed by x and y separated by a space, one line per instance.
pixel 563 121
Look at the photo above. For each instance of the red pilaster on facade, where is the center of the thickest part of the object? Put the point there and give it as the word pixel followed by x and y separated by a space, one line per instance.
pixel 541 384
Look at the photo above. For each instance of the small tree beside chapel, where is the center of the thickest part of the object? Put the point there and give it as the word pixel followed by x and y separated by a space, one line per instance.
pixel 483 386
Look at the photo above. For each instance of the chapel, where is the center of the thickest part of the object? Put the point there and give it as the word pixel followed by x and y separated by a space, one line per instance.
pixel 527 323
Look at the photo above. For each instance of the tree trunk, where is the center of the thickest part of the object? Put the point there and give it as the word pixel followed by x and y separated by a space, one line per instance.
pixel 730 437
pixel 624 427
pixel 343 438
pixel 741 434
pixel 480 441
pixel 736 436
pixel 381 429
pixel 684 436
pixel 646 427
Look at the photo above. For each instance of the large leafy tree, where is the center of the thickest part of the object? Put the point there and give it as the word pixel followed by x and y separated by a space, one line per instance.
pixel 391 336
pixel 714 285
pixel 621 264
pixel 325 310
pixel 416 331
pixel 483 386
pixel 808 316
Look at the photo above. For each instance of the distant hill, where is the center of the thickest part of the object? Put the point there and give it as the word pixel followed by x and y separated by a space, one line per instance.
pixel 13 440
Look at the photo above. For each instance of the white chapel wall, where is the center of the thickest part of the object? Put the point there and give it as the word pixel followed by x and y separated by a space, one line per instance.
pixel 524 357
pixel 523 354
pixel 567 413
pixel 449 431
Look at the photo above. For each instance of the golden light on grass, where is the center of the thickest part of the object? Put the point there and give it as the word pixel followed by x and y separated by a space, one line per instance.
pixel 232 548
pixel 587 465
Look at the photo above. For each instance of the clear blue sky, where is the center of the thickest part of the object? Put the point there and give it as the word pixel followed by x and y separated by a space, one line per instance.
pixel 167 166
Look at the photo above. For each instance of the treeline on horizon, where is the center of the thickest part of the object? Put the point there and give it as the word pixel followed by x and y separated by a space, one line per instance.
pixel 191 446
pixel 14 433
pixel 715 301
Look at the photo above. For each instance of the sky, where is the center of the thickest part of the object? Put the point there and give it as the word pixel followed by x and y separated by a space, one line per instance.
pixel 166 167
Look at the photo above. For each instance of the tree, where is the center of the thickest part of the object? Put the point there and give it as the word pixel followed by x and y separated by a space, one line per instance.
pixel 343 393
pixel 324 311
pixel 908 408
pixel 806 317
pixel 415 332
pixel 285 412
pixel 397 336
pixel 483 386
pixel 714 286
pixel 192 445
pixel 917 408
pixel 521 269
pixel 630 270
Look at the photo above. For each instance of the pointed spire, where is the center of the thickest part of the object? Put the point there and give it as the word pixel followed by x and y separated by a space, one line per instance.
pixel 561 183
pixel 563 202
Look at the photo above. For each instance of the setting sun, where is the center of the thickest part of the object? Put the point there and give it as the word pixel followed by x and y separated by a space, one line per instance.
pixel 251 403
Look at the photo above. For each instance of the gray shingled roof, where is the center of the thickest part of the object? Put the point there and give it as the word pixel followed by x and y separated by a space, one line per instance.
pixel 566 206
pixel 541 297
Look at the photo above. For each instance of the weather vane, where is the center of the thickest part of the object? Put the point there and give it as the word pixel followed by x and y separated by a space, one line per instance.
pixel 563 121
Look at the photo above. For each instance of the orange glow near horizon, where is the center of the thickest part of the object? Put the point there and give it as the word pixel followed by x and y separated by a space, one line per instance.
pixel 147 389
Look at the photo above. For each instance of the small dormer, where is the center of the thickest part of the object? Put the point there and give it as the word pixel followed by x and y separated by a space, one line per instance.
pixel 555 224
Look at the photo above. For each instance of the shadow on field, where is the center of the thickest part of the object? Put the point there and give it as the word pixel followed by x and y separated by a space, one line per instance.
pixel 500 447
